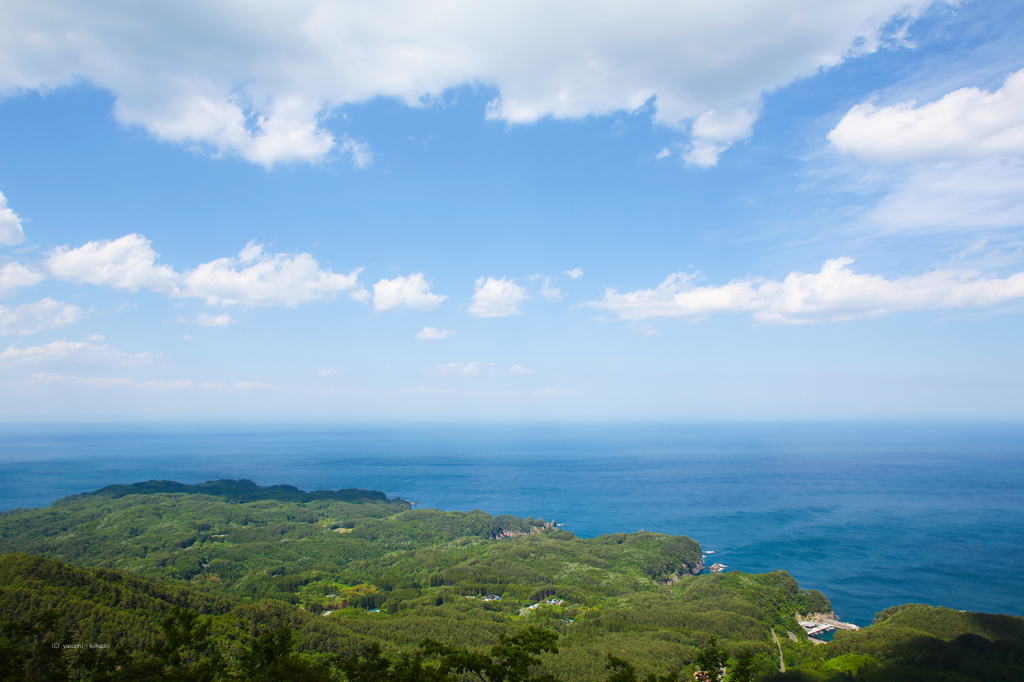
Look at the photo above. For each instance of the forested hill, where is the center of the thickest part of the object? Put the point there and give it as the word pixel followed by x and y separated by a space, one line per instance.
pixel 240 491
pixel 188 585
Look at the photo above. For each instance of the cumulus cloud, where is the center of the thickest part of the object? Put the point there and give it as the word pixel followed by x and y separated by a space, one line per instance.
pixel 519 370
pixel 836 293
pixel 30 318
pixel 258 279
pixel 575 273
pixel 75 352
pixel 15 276
pixel 11 232
pixel 433 334
pixel 204 320
pixel 253 278
pixel 127 263
pixel 257 80
pixel 412 292
pixel 455 369
pixel 497 297
pixel 968 123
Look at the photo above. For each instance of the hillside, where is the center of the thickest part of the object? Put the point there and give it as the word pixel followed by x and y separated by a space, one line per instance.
pixel 344 574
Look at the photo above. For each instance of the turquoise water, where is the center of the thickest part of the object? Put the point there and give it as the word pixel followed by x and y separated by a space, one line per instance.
pixel 870 514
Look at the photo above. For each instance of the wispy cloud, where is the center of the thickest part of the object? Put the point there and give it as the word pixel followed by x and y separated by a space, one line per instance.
pixel 205 320
pixel 455 369
pixel 433 334
pixel 213 386
pixel 74 352
pixel 16 276
pixel 833 294
pixel 30 318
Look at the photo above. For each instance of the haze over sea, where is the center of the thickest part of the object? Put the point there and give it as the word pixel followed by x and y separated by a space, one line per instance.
pixel 871 514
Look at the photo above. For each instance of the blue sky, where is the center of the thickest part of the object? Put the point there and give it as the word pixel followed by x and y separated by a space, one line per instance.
pixel 771 209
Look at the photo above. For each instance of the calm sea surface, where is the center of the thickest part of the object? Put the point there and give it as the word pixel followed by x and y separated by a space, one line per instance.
pixel 870 514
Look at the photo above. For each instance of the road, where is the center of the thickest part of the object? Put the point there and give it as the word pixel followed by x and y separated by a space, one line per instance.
pixel 782 663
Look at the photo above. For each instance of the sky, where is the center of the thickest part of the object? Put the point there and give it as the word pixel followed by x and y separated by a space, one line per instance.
pixel 511 211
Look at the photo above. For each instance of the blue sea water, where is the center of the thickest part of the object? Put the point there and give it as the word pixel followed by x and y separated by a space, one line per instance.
pixel 871 514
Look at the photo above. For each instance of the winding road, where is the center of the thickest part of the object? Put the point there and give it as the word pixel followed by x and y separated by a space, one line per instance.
pixel 782 663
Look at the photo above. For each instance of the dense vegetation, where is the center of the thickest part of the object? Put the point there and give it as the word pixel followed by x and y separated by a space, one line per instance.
pixel 227 580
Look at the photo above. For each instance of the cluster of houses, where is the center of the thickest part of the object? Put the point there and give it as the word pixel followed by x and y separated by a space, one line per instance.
pixel 533 607
pixel 490 597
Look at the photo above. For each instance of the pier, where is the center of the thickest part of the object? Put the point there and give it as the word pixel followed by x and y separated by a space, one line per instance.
pixel 823 625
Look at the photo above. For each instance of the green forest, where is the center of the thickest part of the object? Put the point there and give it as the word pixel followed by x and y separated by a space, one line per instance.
pixel 227 580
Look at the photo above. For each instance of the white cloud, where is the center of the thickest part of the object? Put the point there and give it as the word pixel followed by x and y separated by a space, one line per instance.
pixel 973 247
pixel 258 79
pixel 549 292
pixel 15 276
pixel 836 293
pixel 50 377
pixel 30 318
pixel 455 369
pixel 186 337
pixel 412 292
pixel 362 155
pixel 126 263
pixel 969 123
pixel 258 279
pixel 714 132
pixel 11 232
pixel 519 370
pixel 75 352
pixel 253 278
pixel 433 334
pixel 664 153
pixel 497 297
pixel 324 373
pixel 575 273
pixel 955 196
pixel 204 320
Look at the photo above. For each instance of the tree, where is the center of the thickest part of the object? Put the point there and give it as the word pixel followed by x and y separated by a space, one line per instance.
pixel 32 651
pixel 372 666
pixel 624 672
pixel 187 653
pixel 510 660
pixel 271 657
pixel 709 662
pixel 743 671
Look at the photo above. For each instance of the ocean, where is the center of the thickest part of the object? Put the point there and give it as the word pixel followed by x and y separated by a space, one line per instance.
pixel 871 514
